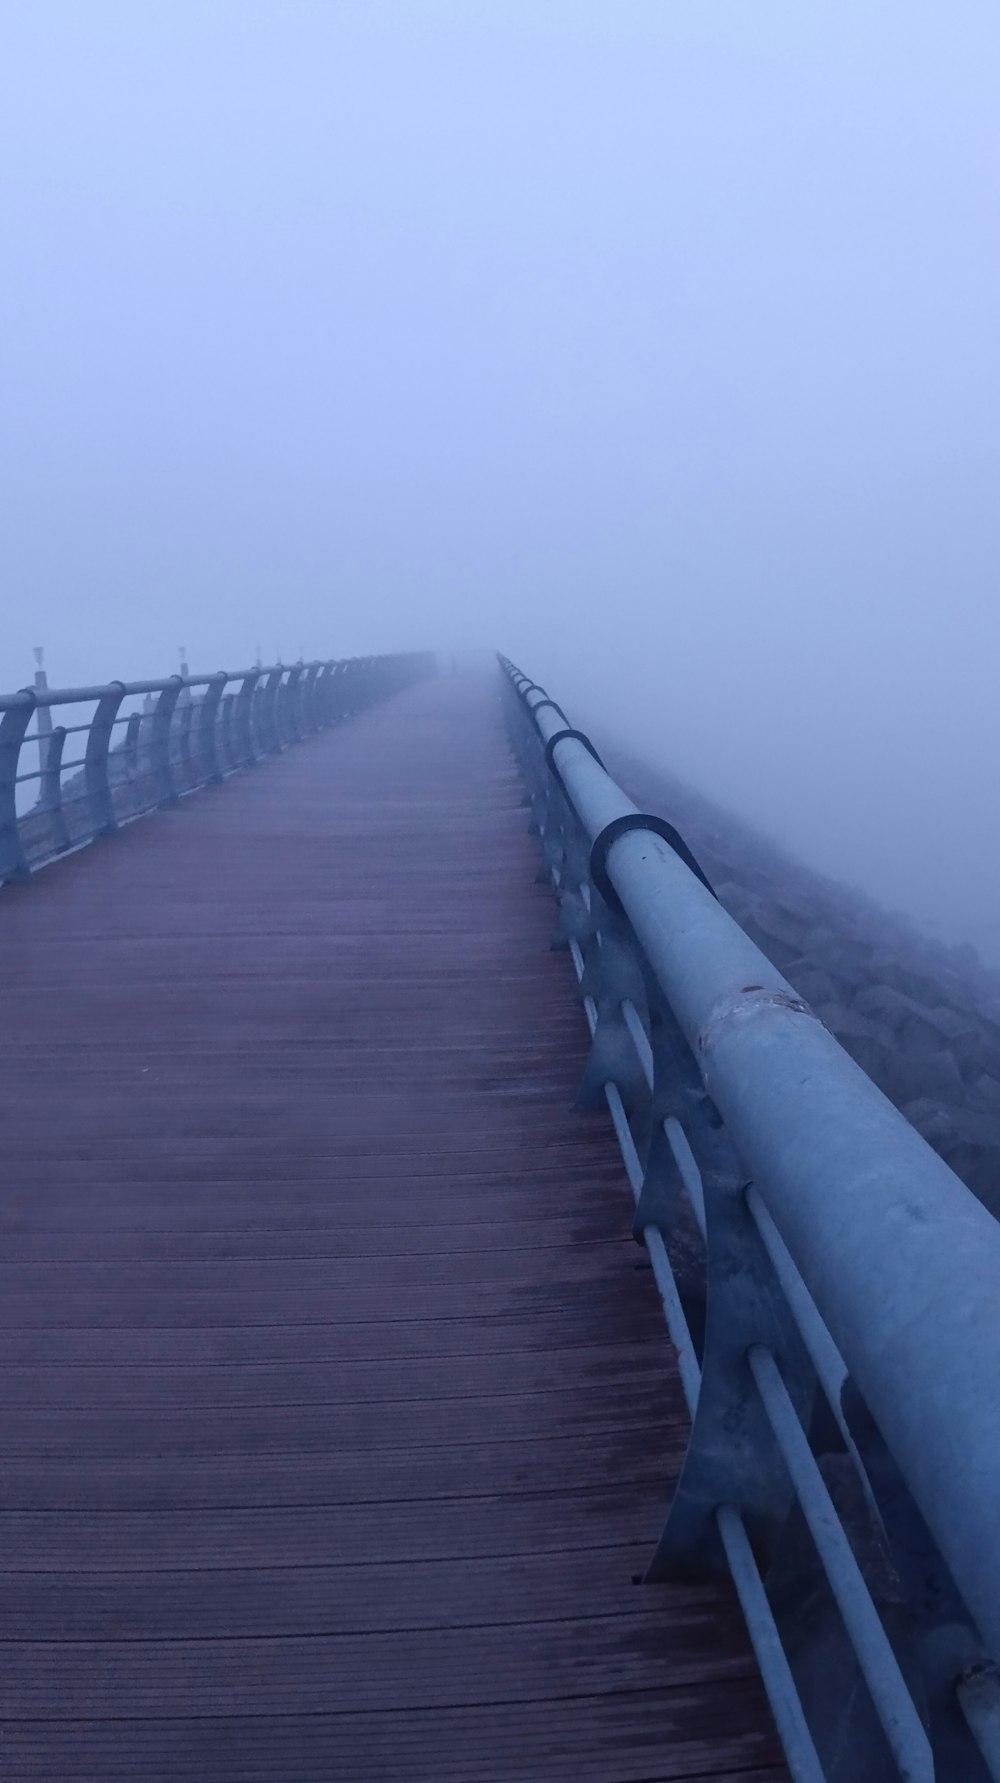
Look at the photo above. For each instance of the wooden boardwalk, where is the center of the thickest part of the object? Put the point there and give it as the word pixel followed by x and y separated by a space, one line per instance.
pixel 338 1414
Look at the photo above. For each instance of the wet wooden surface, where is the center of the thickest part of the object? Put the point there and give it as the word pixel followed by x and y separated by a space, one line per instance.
pixel 338 1415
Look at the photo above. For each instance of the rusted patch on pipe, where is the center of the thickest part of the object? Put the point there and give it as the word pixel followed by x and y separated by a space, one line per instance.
pixel 746 1003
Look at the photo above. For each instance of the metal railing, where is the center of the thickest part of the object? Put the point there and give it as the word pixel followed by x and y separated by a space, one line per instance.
pixel 830 1286
pixel 145 743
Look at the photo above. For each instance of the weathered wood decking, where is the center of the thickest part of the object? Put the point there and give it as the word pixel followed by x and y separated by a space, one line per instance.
pixel 337 1409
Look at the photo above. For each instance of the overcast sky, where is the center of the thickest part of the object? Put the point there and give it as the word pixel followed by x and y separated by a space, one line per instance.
pixel 652 342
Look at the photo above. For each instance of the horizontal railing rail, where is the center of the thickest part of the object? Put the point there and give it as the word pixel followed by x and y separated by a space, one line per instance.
pixel 830 1286
pixel 188 731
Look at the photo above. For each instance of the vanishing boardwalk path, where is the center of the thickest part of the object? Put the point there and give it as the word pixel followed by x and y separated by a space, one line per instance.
pixel 337 1413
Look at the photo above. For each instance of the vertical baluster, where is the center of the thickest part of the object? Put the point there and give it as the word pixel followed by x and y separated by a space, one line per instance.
pixel 293 716
pixel 131 756
pixel 13 724
pixel 161 766
pixel 183 726
pixel 50 798
pixel 244 745
pixel 269 726
pixel 95 762
pixel 226 732
pixel 310 717
pixel 208 751
pixel 325 694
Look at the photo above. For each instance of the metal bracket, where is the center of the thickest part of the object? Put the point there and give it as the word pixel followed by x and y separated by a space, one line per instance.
pixel 621 826
pixel 547 702
pixel 561 737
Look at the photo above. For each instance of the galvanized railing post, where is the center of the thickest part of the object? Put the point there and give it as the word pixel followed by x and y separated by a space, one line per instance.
pixel 281 711
pixel 332 683
pixel 226 732
pixel 293 722
pixel 244 743
pixel 130 753
pixel 310 716
pixel 319 695
pixel 270 722
pixel 50 795
pixel 100 798
pixel 183 724
pixel 13 725
pixel 160 727
pixel 208 719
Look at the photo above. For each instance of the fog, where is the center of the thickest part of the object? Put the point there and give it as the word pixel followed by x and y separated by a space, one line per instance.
pixel 652 343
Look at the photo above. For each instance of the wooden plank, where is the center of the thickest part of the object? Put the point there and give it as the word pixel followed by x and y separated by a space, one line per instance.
pixel 215 1471
pixel 411 1668
pixel 523 1523
pixel 334 1341
pixel 601 1372
pixel 654 1737
pixel 368 1597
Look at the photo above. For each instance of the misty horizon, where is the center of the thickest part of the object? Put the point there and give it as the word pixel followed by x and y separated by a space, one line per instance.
pixel 651 346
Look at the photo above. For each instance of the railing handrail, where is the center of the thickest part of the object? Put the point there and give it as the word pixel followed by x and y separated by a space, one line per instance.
pixel 900 1259
pixel 72 696
pixel 173 745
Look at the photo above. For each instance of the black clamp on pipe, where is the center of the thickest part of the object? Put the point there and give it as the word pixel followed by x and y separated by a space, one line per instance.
pixel 547 702
pixel 560 737
pixel 620 826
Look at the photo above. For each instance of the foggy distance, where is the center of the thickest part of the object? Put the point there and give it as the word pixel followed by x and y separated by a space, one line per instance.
pixel 654 345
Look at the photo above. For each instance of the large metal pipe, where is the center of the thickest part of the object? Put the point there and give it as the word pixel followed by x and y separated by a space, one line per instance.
pixel 902 1260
